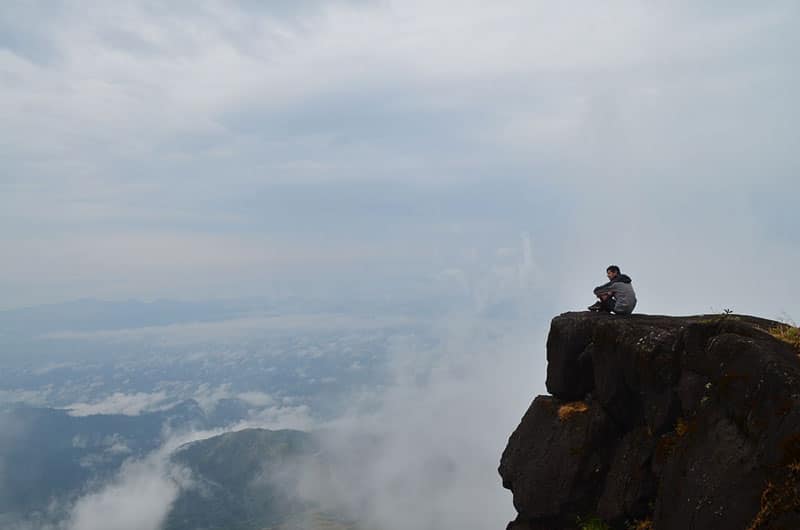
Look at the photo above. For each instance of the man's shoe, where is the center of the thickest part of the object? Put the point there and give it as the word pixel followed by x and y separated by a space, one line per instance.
pixel 595 307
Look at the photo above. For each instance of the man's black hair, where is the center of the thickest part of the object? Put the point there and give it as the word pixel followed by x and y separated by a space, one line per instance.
pixel 613 268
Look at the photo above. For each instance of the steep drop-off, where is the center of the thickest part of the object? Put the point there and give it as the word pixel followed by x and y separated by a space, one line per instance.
pixel 665 423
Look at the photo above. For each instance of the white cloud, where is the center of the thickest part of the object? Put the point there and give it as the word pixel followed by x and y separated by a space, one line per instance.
pixel 139 498
pixel 207 396
pixel 141 494
pixel 116 445
pixel 423 452
pixel 121 403
pixel 298 417
pixel 257 399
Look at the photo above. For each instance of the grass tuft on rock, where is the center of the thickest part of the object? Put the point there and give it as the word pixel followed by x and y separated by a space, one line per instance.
pixel 567 410
pixel 787 333
pixel 644 524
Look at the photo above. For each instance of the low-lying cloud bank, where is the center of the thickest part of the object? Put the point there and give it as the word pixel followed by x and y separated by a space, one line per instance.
pixel 424 453
pixel 140 495
pixel 125 404
pixel 421 453
pixel 139 498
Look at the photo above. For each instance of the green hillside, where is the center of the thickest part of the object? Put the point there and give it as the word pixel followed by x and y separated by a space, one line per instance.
pixel 237 481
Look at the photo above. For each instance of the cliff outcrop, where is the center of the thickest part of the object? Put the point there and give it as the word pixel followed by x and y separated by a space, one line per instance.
pixel 665 423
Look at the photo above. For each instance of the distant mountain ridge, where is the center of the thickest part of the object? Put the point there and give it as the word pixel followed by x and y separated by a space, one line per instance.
pixel 243 480
pixel 235 487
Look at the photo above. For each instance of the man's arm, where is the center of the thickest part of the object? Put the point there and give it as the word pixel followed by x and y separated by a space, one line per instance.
pixel 605 288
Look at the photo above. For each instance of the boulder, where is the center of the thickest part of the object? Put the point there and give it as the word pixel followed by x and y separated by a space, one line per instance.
pixel 556 459
pixel 677 422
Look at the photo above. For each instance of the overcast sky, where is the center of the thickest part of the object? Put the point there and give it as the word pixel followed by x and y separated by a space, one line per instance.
pixel 219 149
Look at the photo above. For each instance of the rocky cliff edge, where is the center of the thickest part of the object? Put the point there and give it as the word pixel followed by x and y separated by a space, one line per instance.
pixel 664 423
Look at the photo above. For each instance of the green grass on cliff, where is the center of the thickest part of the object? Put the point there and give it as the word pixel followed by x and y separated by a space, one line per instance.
pixel 787 333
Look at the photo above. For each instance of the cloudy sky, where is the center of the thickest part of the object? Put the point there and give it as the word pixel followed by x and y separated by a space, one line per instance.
pixel 219 149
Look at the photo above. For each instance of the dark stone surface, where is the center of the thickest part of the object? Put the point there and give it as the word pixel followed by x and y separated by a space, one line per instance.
pixel 561 474
pixel 569 362
pixel 630 483
pixel 691 389
pixel 692 422
pixel 710 477
pixel 526 525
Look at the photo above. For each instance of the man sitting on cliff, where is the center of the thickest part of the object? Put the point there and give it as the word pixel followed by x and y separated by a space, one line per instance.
pixel 617 295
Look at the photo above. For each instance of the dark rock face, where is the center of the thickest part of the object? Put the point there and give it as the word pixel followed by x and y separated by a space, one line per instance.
pixel 680 422
pixel 570 458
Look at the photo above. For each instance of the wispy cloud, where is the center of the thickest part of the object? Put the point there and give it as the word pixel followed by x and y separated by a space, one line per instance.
pixel 141 494
pixel 125 404
pixel 139 497
pixel 422 453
